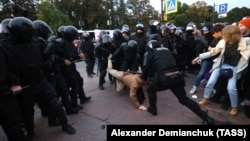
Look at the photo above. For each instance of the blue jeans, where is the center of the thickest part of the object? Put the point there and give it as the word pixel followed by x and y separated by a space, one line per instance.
pixel 206 65
pixel 231 85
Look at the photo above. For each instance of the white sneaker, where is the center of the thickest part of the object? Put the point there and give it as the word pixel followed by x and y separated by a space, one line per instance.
pixel 142 108
pixel 193 90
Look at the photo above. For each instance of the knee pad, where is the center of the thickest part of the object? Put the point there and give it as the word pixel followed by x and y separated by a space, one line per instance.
pixel 55 103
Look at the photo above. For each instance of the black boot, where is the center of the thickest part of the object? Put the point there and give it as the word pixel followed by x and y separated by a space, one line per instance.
pixel 78 107
pixel 101 87
pixel 92 69
pixel 85 99
pixel 54 122
pixel 68 128
pixel 153 111
pixel 209 121
pixel 71 111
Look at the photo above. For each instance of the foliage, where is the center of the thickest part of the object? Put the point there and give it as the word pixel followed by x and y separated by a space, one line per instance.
pixel 52 16
pixel 6 7
pixel 140 12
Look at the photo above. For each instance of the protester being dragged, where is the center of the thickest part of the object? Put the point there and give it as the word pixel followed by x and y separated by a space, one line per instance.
pixel 130 80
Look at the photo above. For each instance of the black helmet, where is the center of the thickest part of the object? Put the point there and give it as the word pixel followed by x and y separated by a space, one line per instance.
pixel 106 39
pixel 164 28
pixel 153 44
pixel 102 33
pixel 139 26
pixel 52 38
pixel 43 29
pixel 85 34
pixel 117 34
pixel 154 26
pixel 59 31
pixel 156 37
pixel 70 33
pixel 125 27
pixel 3 26
pixel 21 29
pixel 153 23
pixel 132 47
pixel 150 23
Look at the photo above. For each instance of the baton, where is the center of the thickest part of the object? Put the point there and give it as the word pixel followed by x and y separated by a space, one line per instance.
pixel 10 92
pixel 134 72
pixel 75 61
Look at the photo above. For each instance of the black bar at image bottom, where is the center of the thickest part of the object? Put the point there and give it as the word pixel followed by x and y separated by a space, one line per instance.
pixel 163 132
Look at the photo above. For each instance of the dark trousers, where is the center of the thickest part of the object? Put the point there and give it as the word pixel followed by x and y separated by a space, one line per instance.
pixel 103 71
pixel 71 78
pixel 90 63
pixel 180 93
pixel 59 83
pixel 10 118
pixel 44 94
pixel 80 80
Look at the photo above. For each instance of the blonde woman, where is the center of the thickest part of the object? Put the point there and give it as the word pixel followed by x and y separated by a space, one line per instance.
pixel 233 53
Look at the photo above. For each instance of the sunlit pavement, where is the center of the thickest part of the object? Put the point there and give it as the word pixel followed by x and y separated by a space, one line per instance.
pixel 110 107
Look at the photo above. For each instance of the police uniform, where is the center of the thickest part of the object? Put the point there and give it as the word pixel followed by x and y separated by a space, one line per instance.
pixel 160 65
pixel 28 73
pixel 10 116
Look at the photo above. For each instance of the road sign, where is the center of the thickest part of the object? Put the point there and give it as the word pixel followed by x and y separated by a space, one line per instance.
pixel 222 10
pixel 171 6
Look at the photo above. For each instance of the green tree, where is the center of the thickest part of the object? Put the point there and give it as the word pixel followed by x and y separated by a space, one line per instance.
pixel 180 18
pixel 235 15
pixel 198 13
pixel 52 16
pixel 6 7
pixel 140 12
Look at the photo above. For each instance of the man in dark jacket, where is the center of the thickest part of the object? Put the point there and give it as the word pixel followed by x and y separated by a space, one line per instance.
pixel 160 65
pixel 10 118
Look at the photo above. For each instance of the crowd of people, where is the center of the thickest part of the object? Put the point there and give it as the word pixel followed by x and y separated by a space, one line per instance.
pixel 38 67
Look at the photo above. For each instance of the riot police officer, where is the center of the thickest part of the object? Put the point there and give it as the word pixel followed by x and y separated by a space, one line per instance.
pixel 131 57
pixel 69 70
pixel 141 39
pixel 10 112
pixel 165 75
pixel 51 70
pixel 117 40
pixel 28 73
pixel 102 51
pixel 87 47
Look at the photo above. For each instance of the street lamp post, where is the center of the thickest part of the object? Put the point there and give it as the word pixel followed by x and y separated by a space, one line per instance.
pixel 162 12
